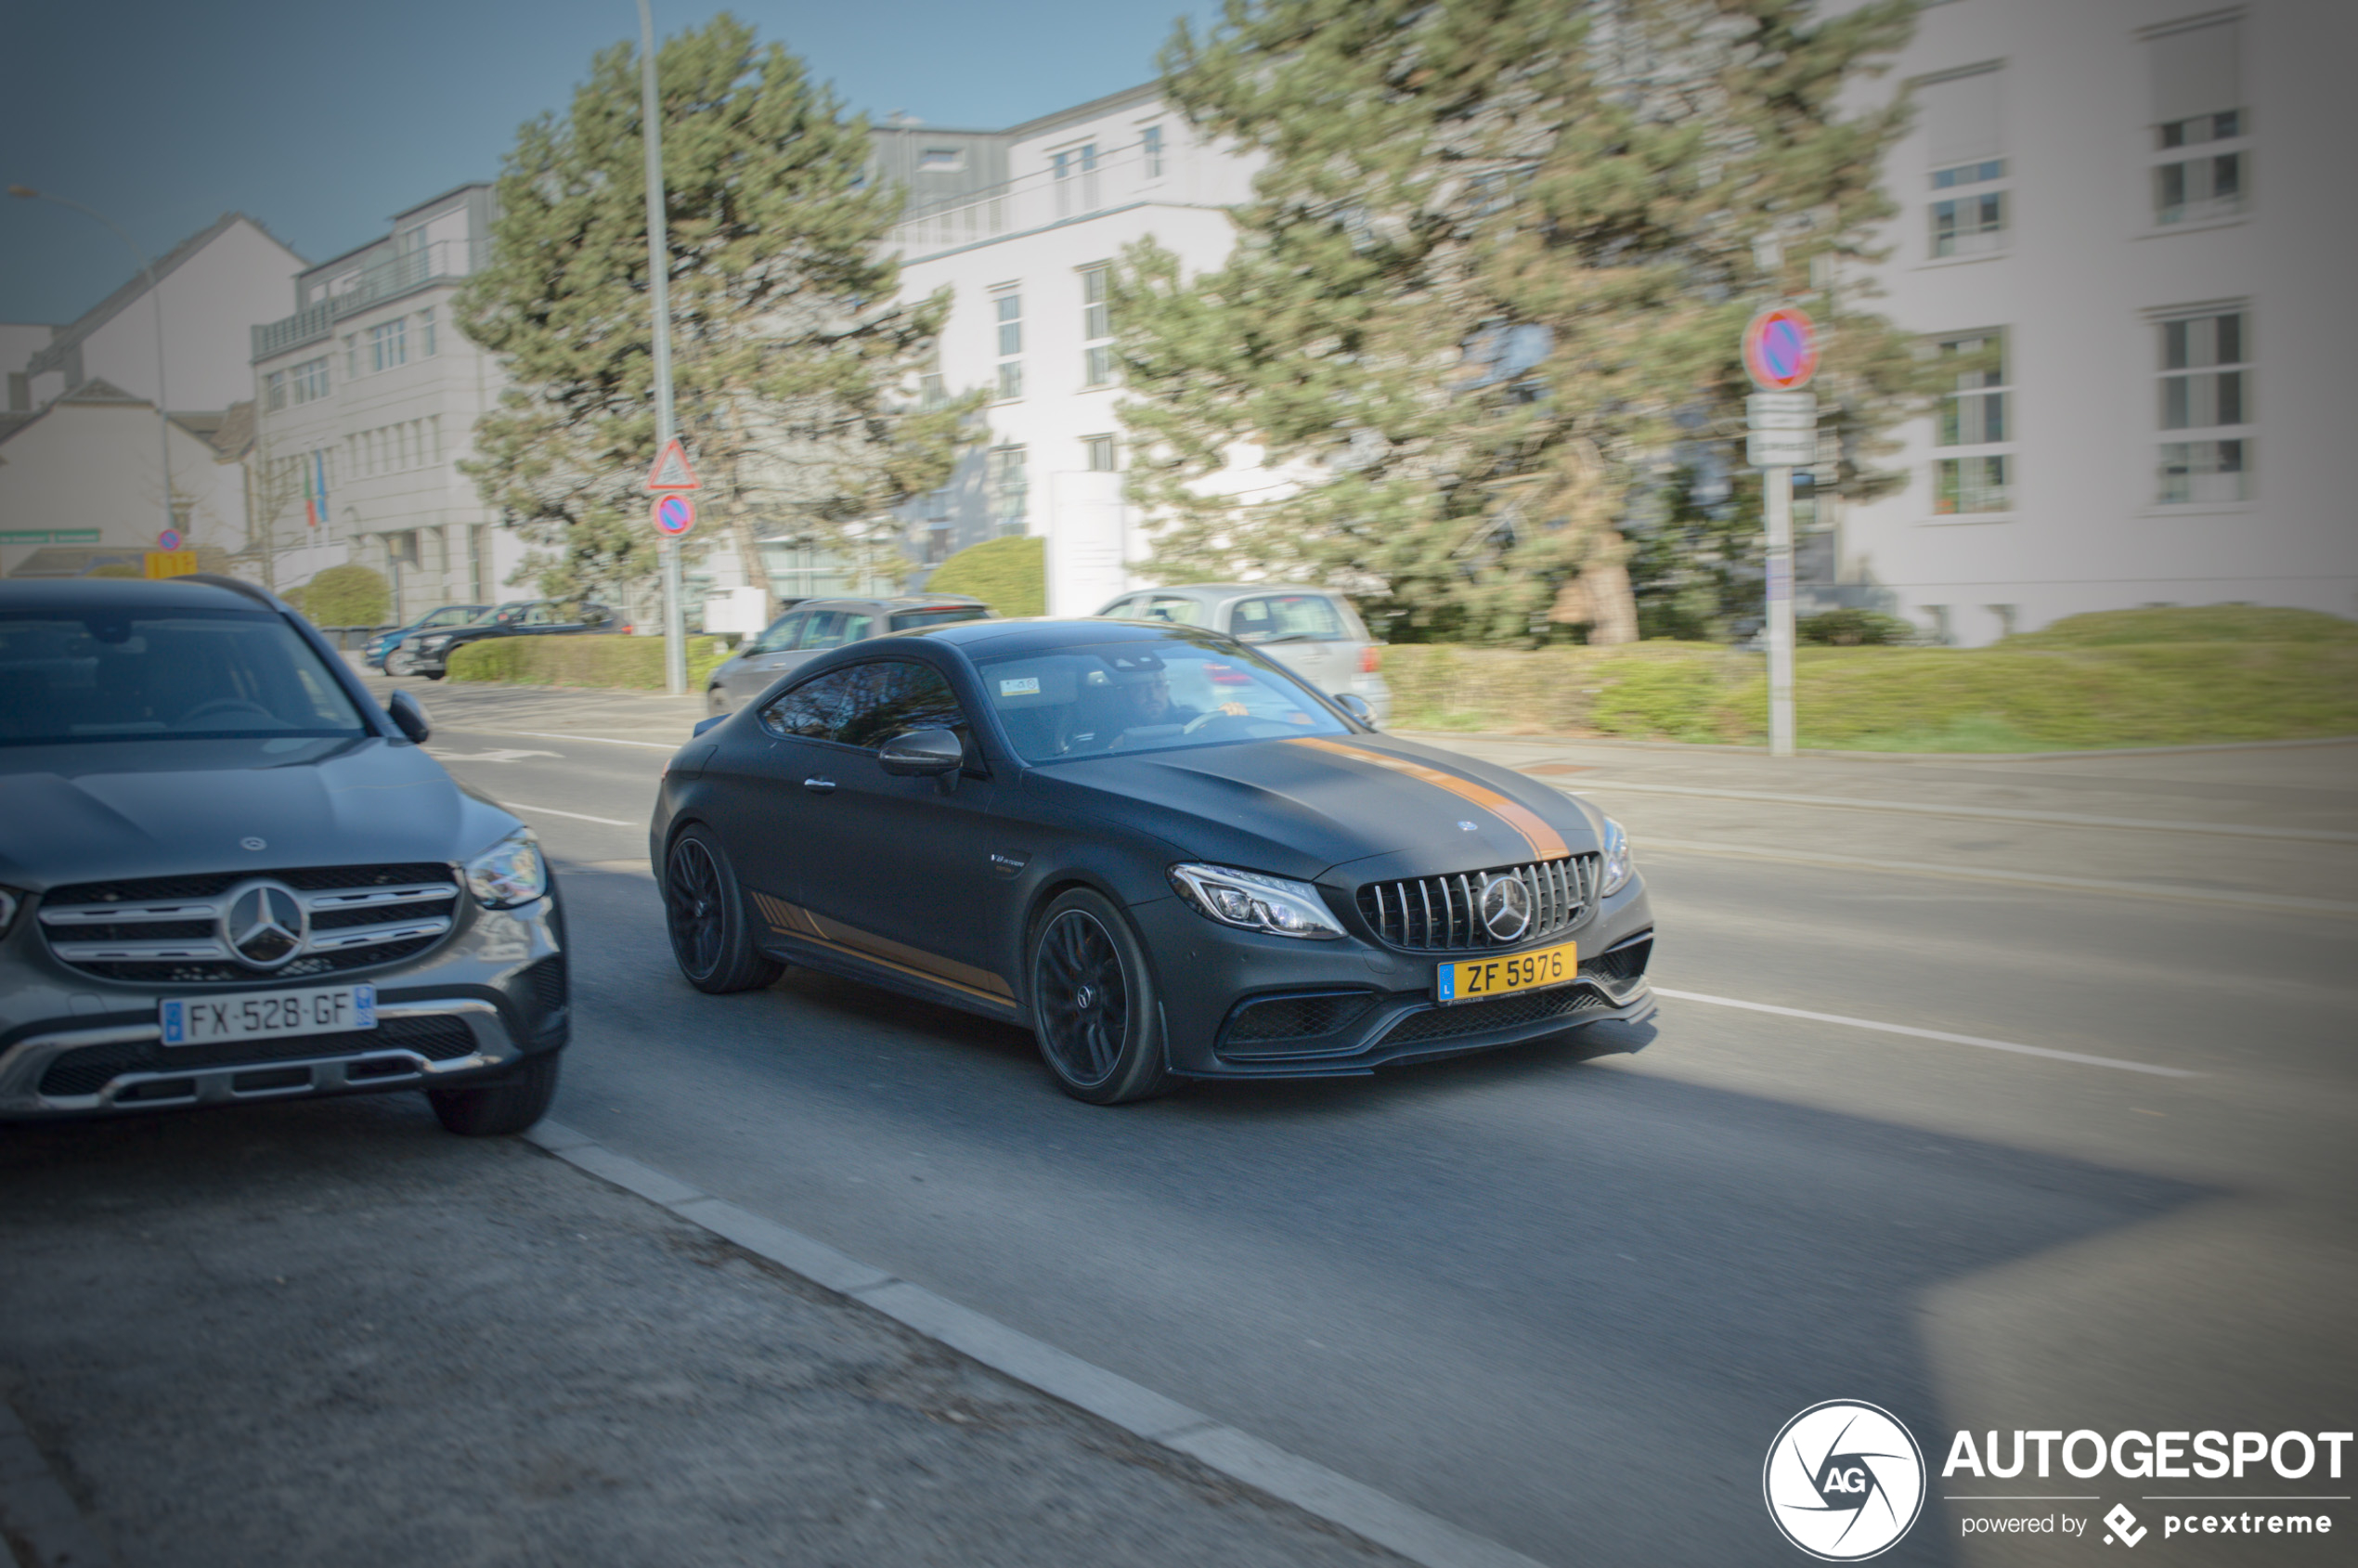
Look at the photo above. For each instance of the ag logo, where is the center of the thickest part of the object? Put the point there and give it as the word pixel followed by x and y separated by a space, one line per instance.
pixel 1844 1481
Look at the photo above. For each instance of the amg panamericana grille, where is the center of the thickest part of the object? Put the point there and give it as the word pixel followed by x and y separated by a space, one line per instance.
pixel 1444 914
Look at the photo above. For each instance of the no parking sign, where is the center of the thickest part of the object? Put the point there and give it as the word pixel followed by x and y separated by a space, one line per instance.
pixel 674 515
pixel 1781 349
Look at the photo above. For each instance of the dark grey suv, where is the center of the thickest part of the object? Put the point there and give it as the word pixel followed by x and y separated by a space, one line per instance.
pixel 226 874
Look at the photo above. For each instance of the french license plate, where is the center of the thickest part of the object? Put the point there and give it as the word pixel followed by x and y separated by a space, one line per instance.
pixel 1477 979
pixel 269 1014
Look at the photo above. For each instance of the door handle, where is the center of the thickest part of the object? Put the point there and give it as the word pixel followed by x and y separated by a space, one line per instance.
pixel 820 786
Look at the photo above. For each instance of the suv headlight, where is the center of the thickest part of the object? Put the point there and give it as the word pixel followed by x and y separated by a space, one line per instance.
pixel 510 872
pixel 1619 866
pixel 1253 902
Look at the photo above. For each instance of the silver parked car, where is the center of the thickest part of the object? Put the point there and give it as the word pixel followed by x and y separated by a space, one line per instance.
pixel 1312 631
pixel 815 625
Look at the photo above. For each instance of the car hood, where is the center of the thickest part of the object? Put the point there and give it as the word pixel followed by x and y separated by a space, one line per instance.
pixel 88 813
pixel 1381 806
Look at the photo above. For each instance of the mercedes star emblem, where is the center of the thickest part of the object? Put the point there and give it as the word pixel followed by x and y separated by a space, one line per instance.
pixel 263 924
pixel 1506 908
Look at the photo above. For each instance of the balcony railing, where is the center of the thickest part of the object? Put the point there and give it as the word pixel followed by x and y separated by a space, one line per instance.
pixel 388 279
pixel 1118 177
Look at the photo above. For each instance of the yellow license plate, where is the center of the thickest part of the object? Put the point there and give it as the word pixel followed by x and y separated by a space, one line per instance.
pixel 1476 979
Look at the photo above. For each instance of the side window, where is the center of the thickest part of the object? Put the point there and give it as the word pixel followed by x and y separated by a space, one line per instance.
pixel 783 631
pixel 541 614
pixel 1167 607
pixel 856 627
pixel 818 709
pixel 1309 616
pixel 1121 609
pixel 826 630
pixel 900 696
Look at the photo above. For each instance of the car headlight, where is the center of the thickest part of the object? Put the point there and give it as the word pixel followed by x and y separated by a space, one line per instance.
pixel 1252 901
pixel 510 872
pixel 1619 866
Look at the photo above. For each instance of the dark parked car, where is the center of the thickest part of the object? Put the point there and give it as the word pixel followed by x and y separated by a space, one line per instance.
pixel 383 650
pixel 1164 854
pixel 429 654
pixel 226 874
pixel 813 625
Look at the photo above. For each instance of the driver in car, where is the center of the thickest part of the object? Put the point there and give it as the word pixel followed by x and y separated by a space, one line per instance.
pixel 1149 703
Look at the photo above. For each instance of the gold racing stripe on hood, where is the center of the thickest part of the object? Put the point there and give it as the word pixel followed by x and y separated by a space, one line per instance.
pixel 1546 843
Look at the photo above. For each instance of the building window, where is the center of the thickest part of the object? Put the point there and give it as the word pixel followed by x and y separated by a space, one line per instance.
pixel 1010 312
pixel 1004 473
pixel 1097 324
pixel 1075 178
pixel 351 354
pixel 1967 214
pixel 425 333
pixel 941 160
pixel 389 344
pixel 275 389
pixel 1101 453
pixel 931 391
pixel 2202 169
pixel 2206 407
pixel 1976 417
pixel 1150 145
pixel 307 383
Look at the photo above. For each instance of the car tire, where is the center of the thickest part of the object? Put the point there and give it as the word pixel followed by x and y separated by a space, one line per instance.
pixel 704 911
pixel 716 702
pixel 399 662
pixel 507 1105
pixel 1095 1006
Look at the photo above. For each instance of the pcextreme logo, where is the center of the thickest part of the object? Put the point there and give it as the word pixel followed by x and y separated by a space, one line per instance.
pixel 1844 1481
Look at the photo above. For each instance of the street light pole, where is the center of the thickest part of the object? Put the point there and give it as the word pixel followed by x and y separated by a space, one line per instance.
pixel 163 416
pixel 675 638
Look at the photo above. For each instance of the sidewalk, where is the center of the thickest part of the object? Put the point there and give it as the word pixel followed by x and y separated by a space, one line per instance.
pixel 332 1333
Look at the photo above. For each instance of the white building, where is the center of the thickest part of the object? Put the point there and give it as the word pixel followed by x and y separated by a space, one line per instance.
pixel 81 485
pixel 2131 202
pixel 2126 200
pixel 1027 258
pixel 211 284
pixel 366 400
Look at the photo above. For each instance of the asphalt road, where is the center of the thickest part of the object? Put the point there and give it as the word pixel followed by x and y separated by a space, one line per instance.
pixel 1565 1299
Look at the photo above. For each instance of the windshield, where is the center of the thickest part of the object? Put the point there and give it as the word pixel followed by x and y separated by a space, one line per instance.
pixel 943 614
pixel 1122 699
pixel 106 675
pixel 452 615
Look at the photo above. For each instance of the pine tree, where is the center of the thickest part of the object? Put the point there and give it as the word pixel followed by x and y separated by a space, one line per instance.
pixel 1497 268
pixel 791 355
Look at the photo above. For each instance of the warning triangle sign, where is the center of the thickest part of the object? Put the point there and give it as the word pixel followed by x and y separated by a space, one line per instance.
pixel 671 470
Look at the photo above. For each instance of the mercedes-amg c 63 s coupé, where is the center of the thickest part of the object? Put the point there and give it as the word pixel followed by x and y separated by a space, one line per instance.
pixel 1163 853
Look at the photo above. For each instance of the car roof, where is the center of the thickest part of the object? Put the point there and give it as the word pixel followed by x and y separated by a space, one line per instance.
pixel 1043 633
pixel 1233 590
pixel 135 594
pixel 900 601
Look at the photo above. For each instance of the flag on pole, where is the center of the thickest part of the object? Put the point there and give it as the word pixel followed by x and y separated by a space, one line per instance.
pixel 315 490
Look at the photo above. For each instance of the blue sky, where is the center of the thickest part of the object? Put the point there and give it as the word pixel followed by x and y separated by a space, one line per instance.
pixel 323 121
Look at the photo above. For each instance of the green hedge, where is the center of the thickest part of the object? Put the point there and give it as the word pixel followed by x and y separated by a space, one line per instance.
pixel 630 663
pixel 344 596
pixel 2090 691
pixel 1010 574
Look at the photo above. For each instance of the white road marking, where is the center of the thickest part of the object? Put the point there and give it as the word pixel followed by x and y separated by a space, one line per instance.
pixel 1943 1035
pixel 2001 814
pixel 577 816
pixel 2031 878
pixel 502 754
pixel 609 740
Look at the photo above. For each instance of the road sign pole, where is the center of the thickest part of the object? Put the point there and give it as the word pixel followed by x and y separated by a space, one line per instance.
pixel 674 631
pixel 1779 484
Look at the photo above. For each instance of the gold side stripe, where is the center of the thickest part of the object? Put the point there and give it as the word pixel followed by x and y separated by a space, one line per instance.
pixel 793 920
pixel 1546 843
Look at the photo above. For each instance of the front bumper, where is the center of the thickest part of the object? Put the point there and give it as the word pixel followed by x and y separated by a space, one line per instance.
pixel 470 1008
pixel 1242 1004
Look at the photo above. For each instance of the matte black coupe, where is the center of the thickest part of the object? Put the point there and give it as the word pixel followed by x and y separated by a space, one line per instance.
pixel 1159 850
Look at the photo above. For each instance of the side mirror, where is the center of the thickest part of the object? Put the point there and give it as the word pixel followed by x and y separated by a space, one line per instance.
pixel 1356 706
pixel 922 753
pixel 704 724
pixel 408 716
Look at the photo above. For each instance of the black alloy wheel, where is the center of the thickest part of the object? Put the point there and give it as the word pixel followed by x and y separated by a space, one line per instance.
pixel 1093 1005
pixel 706 914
